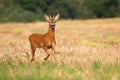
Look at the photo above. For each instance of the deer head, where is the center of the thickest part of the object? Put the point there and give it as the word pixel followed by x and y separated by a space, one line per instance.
pixel 52 20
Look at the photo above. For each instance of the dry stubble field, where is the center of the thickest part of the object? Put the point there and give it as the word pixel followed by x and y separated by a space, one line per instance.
pixel 86 50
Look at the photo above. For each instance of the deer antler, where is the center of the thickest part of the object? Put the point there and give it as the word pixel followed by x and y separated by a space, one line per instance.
pixel 53 16
pixel 50 16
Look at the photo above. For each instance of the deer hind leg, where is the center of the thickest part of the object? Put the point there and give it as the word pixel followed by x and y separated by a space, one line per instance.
pixel 33 53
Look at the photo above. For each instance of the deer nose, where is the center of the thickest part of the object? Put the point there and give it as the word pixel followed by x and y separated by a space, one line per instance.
pixel 52 24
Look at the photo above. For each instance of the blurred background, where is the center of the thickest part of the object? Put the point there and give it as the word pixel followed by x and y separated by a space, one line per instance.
pixel 34 10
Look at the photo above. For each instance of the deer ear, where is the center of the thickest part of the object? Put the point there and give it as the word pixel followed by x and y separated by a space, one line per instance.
pixel 47 18
pixel 57 17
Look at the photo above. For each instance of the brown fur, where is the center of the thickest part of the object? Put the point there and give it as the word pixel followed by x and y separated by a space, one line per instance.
pixel 45 41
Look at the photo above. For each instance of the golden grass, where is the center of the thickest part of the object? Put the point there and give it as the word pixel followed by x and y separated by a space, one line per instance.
pixel 79 42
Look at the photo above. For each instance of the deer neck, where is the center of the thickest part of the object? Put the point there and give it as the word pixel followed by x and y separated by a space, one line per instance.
pixel 51 32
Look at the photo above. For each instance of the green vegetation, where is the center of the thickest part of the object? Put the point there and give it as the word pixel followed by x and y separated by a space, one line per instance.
pixel 33 10
pixel 52 71
pixel 94 44
pixel 17 29
pixel 37 71
pixel 105 72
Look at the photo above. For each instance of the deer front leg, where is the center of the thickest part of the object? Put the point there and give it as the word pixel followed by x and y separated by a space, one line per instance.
pixel 47 54
pixel 54 55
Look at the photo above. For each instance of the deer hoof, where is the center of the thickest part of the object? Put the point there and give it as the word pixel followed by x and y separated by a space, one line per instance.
pixel 32 60
pixel 45 58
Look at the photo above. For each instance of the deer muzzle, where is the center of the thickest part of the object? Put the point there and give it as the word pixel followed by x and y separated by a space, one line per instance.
pixel 52 24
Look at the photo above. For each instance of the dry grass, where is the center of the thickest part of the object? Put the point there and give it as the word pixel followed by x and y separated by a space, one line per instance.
pixel 79 43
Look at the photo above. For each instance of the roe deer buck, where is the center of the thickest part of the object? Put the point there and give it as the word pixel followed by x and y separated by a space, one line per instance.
pixel 45 41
